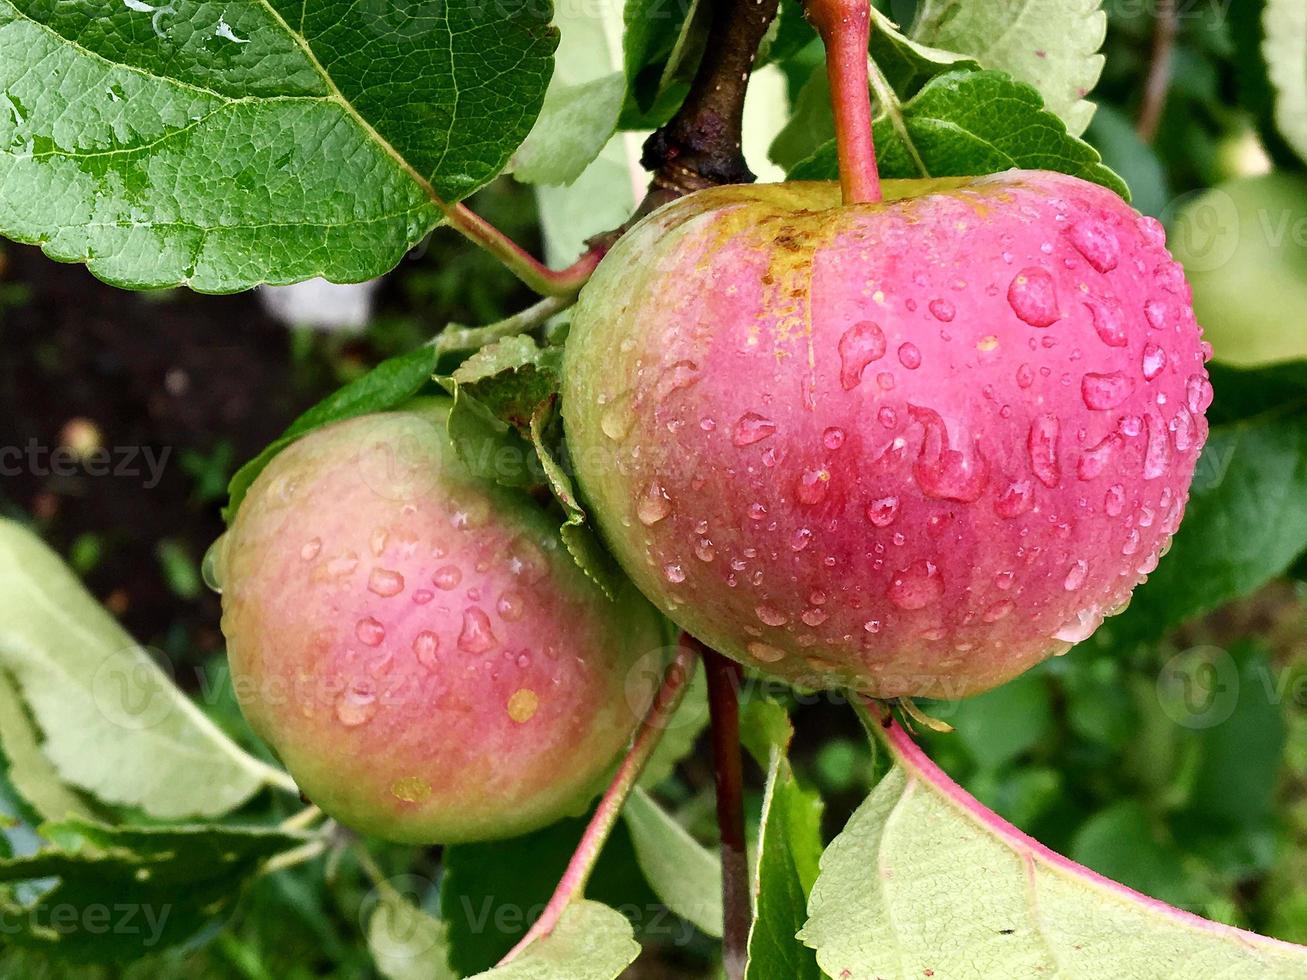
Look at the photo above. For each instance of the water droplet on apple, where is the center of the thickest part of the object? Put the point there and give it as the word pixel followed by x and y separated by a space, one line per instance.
pixel 476 636
pixel 752 428
pixel 653 505
pixel 916 586
pixel 1042 446
pixel 883 510
pixel 1154 360
pixel 861 344
pixel 385 583
pixel 1097 243
pixel 1033 297
pixel 1102 392
pixel 369 631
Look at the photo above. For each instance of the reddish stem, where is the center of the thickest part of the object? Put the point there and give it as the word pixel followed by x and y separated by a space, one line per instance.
pixel 524 265
pixel 845 29
pixel 724 678
pixel 572 885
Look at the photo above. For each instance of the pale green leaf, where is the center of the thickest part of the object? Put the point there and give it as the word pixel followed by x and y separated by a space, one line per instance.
pixel 1051 44
pixel 30 773
pixel 924 878
pixel 590 942
pixel 604 195
pixel 575 124
pixel 1285 49
pixel 223 145
pixel 114 723
pixel 406 943
pixel 684 874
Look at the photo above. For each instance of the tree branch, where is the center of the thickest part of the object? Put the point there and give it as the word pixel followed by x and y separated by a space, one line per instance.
pixel 1158 82
pixel 724 678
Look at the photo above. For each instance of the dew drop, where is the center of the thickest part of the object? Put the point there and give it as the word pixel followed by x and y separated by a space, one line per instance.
pixel 342 565
pixel 704 550
pixel 883 510
pixel 447 577
pixel 943 472
pixel 674 572
pixel 423 596
pixel 1003 580
pixel 378 541
pixel 1154 360
pixel 1025 376
pixel 800 539
pixel 861 344
pixel 210 565
pixel 942 310
pixel 476 635
pixel 1151 229
pixel 1182 430
pixel 1042 446
pixel 1080 628
pixel 370 631
pixel 1075 576
pixel 757 512
pixel 526 560
pixel 998 610
pixel 653 505
pixel 1155 312
pixel 812 486
pixel 833 437
pixel 1131 544
pixel 1198 393
pixel 1033 297
pixel 385 583
pixel 676 377
pixel 916 586
pixel 356 704
pixel 1097 243
pixel 910 356
pixel 887 416
pixel 1102 392
pixel 1114 500
pixel 311 549
pixel 617 418
pixel 1096 459
pixel 510 607
pixel 765 653
pixel 1157 454
pixel 1016 499
pixel 1109 320
pixel 814 617
pixel 752 428
pixel 425 646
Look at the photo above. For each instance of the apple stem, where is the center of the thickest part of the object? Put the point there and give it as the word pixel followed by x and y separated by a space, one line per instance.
pixel 724 677
pixel 572 885
pixel 456 337
pixel 845 29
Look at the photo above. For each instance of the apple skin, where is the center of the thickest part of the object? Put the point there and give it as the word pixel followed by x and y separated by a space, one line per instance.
pixel 417 645
pixel 854 446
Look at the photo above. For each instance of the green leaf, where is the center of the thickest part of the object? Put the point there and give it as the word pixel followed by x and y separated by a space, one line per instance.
pixel 590 942
pixel 488 446
pixel 999 725
pixel 511 378
pixel 925 878
pixel 663 44
pixel 603 196
pixel 406 942
pixel 906 63
pixel 575 124
pixel 764 726
pixel 30 773
pixel 123 892
pixel 582 541
pixel 386 386
pixel 1051 44
pixel 684 874
pixel 1285 50
pixel 970 123
pixel 114 723
pixel 220 147
pixel 1245 523
pixel 789 847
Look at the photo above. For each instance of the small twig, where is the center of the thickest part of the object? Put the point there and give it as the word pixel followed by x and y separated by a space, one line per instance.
pixel 456 337
pixel 572 885
pixel 702 144
pixel 845 27
pixel 297 855
pixel 724 678
pixel 1158 82
pixel 533 272
pixel 303 819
